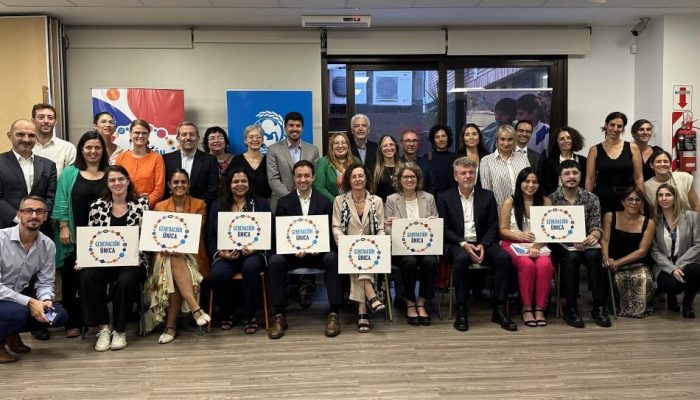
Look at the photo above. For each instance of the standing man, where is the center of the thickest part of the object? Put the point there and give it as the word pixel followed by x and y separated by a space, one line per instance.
pixel 523 132
pixel 360 145
pixel 26 252
pixel 202 167
pixel 409 145
pixel 304 201
pixel 471 237
pixel 528 108
pixel 569 256
pixel 47 145
pixel 282 156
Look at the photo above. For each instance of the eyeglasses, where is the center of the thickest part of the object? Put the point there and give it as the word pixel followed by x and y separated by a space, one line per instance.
pixel 409 177
pixel 28 212
pixel 633 200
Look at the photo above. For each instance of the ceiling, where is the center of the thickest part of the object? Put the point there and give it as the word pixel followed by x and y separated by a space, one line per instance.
pixel 385 13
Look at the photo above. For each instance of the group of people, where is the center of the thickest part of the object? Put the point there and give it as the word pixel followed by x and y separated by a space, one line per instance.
pixel 48 188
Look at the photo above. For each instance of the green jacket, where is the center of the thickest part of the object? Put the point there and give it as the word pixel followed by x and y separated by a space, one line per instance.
pixel 63 211
pixel 325 179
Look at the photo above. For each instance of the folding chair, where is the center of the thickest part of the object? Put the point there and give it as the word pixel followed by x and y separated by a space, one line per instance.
pixel 239 277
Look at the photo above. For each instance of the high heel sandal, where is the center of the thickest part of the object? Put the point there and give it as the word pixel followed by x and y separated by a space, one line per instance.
pixel 540 322
pixel 531 323
pixel 165 337
pixel 203 319
pixel 415 321
pixel 425 321
pixel 363 325
pixel 375 304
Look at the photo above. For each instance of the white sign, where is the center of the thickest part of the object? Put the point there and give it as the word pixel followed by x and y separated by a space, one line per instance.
pixel 237 230
pixel 418 237
pixel 107 246
pixel 309 234
pixel 364 254
pixel 171 231
pixel 558 224
pixel 682 97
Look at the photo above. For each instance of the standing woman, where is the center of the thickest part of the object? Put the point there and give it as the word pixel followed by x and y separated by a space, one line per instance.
pixel 627 236
pixel 387 161
pixel 330 169
pixel 498 170
pixel 104 124
pixel 236 196
pixel 216 143
pixel 118 206
pixel 410 201
pixel 613 164
pixel 676 250
pixel 176 277
pixel 562 146
pixel 441 158
pixel 253 162
pixel 358 212
pixel 682 181
pixel 534 269
pixel 79 185
pixel 472 145
pixel 146 168
pixel 642 131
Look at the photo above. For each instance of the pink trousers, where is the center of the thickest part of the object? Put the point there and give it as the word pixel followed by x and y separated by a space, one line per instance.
pixel 534 274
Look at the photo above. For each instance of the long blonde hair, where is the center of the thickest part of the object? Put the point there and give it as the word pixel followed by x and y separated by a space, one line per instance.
pixel 331 154
pixel 379 167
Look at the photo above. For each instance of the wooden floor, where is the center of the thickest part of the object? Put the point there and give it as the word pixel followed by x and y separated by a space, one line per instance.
pixel 657 357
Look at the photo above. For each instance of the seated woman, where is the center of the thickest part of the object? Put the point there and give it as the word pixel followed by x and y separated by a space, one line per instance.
pixel 236 196
pixel 535 268
pixel 357 212
pixel 330 168
pixel 118 206
pixel 683 182
pixel 676 250
pixel 410 201
pixel 627 236
pixel 176 277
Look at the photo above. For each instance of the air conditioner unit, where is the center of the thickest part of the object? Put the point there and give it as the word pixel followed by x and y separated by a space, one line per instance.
pixel 336 21
pixel 392 88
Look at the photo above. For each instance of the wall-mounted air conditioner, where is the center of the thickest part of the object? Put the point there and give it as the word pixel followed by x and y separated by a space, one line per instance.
pixel 392 88
pixel 336 21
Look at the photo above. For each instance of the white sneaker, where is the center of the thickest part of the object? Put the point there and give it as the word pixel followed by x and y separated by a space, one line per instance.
pixel 118 340
pixel 103 339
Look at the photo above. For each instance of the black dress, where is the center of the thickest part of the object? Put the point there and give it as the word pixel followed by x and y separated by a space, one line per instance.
pixel 612 176
pixel 647 170
pixel 384 183
pixel 441 164
pixel 258 177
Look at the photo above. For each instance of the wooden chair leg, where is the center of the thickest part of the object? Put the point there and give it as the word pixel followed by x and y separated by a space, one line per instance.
pixel 263 277
pixel 211 308
pixel 612 293
pixel 387 289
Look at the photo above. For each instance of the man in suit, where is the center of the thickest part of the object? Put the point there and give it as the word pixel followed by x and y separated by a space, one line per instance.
pixel 304 201
pixel 202 167
pixel 523 132
pixel 528 107
pixel 409 145
pixel 282 156
pixel 47 145
pixel 361 147
pixel 471 237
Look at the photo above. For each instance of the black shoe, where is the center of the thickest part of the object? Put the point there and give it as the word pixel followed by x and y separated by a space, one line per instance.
pixel 573 318
pixel 461 323
pixel 672 303
pixel 600 317
pixel 688 310
pixel 41 334
pixel 499 316
pixel 415 321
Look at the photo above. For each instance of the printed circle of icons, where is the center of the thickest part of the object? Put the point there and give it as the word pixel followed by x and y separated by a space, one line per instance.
pixel 256 232
pixel 179 242
pixel 425 246
pixel 373 263
pixel 121 252
pixel 568 230
pixel 311 242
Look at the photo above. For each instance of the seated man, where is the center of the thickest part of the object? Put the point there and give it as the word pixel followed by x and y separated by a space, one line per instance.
pixel 304 201
pixel 471 236
pixel 587 252
pixel 26 252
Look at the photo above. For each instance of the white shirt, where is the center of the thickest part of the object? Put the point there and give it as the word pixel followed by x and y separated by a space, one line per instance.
pixel 498 175
pixel 514 223
pixel 57 150
pixel 27 165
pixel 187 161
pixel 412 209
pixel 521 150
pixel 294 151
pixel 305 203
pixel 468 211
pixel 362 151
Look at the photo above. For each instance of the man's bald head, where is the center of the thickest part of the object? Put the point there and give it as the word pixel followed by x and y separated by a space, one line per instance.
pixel 22 135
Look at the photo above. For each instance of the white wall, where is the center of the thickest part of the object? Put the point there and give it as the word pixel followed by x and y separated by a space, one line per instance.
pixel 649 70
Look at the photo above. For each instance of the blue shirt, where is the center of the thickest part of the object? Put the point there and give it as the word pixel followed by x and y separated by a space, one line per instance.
pixel 17 266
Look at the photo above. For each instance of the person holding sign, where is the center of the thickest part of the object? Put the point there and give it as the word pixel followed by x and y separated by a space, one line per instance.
pixel 410 201
pixel 119 205
pixel 166 296
pixel 331 167
pixel 235 196
pixel 471 237
pixel 80 184
pixel 569 256
pixel 535 267
pixel 676 250
pixel 304 201
pixel 358 212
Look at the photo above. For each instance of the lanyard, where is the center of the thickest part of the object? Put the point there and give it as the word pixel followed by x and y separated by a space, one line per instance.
pixel 672 233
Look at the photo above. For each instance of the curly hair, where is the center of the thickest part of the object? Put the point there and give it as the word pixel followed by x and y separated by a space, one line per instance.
pixel 407 166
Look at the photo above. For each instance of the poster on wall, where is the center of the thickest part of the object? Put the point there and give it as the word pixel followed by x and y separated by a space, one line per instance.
pixel 164 109
pixel 266 108
pixel 491 108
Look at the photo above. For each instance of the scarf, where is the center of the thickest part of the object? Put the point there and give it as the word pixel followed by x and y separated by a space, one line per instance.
pixel 345 213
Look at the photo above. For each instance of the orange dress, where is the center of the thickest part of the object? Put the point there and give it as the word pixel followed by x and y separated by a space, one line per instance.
pixel 146 173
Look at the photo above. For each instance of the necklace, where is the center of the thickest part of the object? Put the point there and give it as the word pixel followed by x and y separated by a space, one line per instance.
pixel 358 201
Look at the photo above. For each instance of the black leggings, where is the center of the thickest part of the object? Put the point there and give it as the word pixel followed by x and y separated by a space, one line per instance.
pixel 671 286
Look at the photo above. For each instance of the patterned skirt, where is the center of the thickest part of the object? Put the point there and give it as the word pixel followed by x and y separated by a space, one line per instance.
pixel 634 285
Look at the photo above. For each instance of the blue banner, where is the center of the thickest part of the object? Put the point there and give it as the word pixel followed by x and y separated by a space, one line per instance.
pixel 266 108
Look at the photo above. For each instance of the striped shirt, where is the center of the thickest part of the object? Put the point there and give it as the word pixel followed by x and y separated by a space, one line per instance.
pixel 498 175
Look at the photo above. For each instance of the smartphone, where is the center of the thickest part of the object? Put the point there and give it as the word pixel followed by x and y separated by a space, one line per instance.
pixel 50 314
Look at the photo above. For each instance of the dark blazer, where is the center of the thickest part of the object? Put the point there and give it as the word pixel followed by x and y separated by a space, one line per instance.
pixel 13 187
pixel 548 172
pixel 370 156
pixel 261 205
pixel 428 174
pixel 534 158
pixel 485 216
pixel 289 205
pixel 204 179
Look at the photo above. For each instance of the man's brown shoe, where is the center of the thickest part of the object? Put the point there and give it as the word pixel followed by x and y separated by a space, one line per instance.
pixel 5 356
pixel 279 324
pixel 14 342
pixel 333 326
